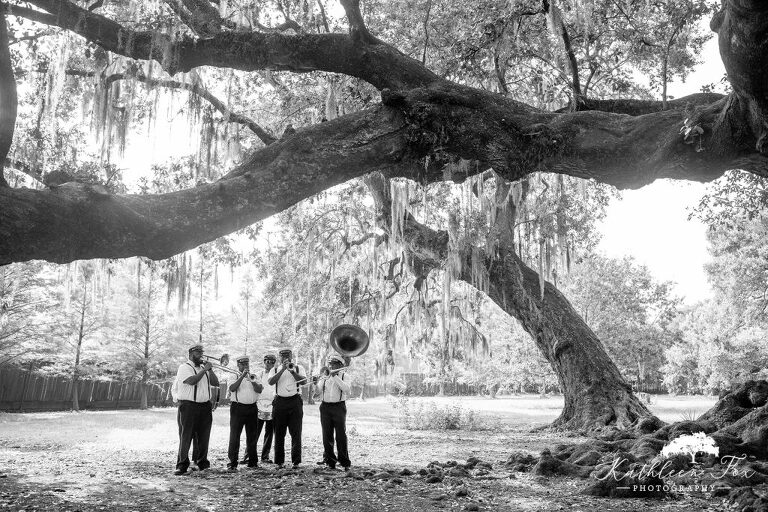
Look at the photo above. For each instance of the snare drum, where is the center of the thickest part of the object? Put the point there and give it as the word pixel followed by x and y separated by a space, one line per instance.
pixel 265 409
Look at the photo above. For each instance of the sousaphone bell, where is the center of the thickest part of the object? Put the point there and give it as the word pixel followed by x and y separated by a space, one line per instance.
pixel 349 340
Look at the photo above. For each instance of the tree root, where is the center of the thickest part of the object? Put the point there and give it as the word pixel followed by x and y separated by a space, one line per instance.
pixel 628 462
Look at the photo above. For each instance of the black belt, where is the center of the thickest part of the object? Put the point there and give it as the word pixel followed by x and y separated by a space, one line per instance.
pixel 287 397
pixel 241 403
pixel 334 403
pixel 208 402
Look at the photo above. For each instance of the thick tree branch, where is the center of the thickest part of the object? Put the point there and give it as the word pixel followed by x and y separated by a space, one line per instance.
pixel 742 28
pixel 26 12
pixel 381 65
pixel 624 151
pixel 357 28
pixel 75 221
pixel 642 107
pixel 8 101
pixel 561 32
pixel 199 15
pixel 426 32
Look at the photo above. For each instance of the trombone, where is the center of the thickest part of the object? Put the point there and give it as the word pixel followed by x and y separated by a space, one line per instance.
pixel 220 363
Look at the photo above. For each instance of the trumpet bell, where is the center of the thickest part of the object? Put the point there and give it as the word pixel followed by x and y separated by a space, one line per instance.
pixel 224 360
pixel 349 340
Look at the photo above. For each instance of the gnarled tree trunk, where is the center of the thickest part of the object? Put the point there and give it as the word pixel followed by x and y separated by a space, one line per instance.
pixel 595 393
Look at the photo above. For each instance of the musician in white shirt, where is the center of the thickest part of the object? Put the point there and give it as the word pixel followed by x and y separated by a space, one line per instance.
pixel 264 402
pixel 243 412
pixel 194 417
pixel 287 407
pixel 265 421
pixel 334 389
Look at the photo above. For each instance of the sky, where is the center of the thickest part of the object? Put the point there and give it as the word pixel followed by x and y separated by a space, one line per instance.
pixel 651 224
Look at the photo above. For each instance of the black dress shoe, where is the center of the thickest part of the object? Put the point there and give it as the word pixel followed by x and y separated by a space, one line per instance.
pixel 266 461
pixel 180 472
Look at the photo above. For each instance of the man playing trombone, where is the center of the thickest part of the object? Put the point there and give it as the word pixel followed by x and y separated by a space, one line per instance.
pixel 194 417
pixel 333 389
pixel 243 411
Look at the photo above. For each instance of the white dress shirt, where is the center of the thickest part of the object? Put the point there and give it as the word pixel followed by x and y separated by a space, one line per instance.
pixel 244 394
pixel 187 391
pixel 264 399
pixel 333 389
pixel 286 386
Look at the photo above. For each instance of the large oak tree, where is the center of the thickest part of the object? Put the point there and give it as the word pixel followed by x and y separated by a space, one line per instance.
pixel 422 123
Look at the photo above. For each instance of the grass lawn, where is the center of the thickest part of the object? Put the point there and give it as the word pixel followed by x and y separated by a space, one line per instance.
pixel 123 460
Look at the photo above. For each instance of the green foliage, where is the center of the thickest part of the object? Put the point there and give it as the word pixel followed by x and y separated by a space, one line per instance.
pixel 629 311
pixel 736 197
pixel 415 414
pixel 24 299
pixel 723 337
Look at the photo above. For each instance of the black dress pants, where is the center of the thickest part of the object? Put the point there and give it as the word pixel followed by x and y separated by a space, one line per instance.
pixel 333 420
pixel 242 415
pixel 287 413
pixel 269 430
pixel 194 420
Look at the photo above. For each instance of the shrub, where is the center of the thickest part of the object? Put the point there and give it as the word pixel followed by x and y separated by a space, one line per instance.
pixel 416 415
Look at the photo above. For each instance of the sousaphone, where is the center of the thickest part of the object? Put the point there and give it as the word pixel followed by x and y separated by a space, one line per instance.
pixel 349 340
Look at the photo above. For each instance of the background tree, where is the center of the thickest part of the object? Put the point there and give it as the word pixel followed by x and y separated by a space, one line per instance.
pixel 23 301
pixel 80 321
pixel 629 310
pixel 144 328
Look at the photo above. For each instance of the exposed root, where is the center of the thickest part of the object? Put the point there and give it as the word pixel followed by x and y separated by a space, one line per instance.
pixel 623 461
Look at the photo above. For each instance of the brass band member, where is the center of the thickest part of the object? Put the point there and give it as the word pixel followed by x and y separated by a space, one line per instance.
pixel 333 389
pixel 193 390
pixel 287 408
pixel 264 403
pixel 265 409
pixel 243 411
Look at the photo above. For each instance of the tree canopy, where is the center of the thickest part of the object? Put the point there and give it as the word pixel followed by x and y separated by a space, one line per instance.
pixel 426 119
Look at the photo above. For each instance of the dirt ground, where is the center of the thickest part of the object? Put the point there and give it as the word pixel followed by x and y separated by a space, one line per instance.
pixel 124 460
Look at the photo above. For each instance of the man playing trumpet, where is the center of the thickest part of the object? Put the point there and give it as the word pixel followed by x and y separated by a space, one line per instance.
pixel 287 408
pixel 243 411
pixel 333 389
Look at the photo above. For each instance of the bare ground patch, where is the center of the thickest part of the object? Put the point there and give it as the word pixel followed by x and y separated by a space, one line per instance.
pixel 123 460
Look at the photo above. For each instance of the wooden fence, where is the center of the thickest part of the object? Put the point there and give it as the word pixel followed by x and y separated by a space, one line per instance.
pixel 25 391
